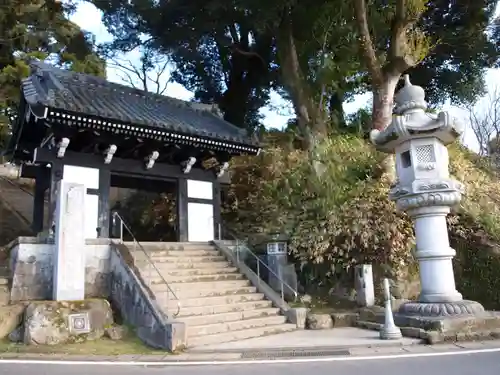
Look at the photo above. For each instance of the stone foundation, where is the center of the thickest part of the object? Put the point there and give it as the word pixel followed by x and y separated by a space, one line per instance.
pixel 436 329
pixel 448 309
pixel 108 275
pixel 31 269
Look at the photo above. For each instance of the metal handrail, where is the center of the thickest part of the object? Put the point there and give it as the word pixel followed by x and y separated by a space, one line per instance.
pixel 150 261
pixel 259 261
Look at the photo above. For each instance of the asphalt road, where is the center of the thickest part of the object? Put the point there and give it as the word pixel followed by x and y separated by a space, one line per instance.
pixel 466 364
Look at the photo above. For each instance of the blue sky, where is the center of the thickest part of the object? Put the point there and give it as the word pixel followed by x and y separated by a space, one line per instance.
pixel 90 19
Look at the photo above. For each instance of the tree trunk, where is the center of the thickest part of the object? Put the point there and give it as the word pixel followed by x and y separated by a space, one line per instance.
pixel 337 114
pixel 311 119
pixel 383 102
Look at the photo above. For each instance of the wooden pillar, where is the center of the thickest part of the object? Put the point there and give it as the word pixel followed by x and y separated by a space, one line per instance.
pixel 42 183
pixel 182 210
pixel 217 211
pixel 104 187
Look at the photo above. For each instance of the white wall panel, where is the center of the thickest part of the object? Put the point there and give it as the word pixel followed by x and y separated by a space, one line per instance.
pixel 200 222
pixel 200 189
pixel 81 175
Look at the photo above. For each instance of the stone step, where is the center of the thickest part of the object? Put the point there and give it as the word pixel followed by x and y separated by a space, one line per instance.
pixel 211 292
pixel 4 272
pixel 209 277
pixel 196 272
pixel 217 285
pixel 237 325
pixel 208 301
pixel 180 253
pixel 173 262
pixel 179 246
pixel 186 259
pixel 239 335
pixel 198 320
pixel 188 311
pixel 192 265
pixel 4 295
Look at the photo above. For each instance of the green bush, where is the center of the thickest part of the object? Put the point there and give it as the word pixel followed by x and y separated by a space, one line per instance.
pixel 335 209
pixel 330 204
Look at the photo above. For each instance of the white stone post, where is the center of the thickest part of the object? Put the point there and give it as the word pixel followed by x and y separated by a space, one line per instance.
pixel 389 330
pixel 363 281
pixel 426 192
pixel 69 256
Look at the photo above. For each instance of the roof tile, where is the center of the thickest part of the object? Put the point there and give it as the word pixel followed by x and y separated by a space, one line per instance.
pixel 86 94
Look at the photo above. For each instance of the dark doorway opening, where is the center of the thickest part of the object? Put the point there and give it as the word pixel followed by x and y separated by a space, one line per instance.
pixel 147 206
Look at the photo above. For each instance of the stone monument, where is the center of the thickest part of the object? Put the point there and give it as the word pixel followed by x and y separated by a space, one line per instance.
pixel 363 282
pixel 69 257
pixel 425 190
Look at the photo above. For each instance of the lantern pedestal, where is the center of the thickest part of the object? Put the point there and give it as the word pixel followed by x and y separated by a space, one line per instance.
pixel 434 255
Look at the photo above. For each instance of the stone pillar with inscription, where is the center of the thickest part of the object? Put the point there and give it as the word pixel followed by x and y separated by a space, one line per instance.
pixel 425 190
pixel 69 256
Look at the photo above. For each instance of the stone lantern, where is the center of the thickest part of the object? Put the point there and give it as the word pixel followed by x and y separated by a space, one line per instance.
pixel 424 190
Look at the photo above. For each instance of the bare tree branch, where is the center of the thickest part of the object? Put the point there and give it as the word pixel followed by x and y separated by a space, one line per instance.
pixel 484 121
pixel 151 68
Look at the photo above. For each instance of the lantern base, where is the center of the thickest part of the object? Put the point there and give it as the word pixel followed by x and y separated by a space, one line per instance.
pixel 444 309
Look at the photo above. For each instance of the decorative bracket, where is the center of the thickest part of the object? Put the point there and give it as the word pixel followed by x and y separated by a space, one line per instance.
pixel 61 147
pixel 151 159
pixel 188 164
pixel 110 151
pixel 221 169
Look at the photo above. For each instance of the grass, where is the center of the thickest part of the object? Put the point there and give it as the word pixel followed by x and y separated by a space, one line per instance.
pixel 129 345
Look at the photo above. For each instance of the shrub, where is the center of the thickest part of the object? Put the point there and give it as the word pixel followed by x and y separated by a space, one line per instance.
pixel 329 204
pixel 337 214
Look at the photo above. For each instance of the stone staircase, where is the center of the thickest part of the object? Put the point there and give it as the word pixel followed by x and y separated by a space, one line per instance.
pixel 15 211
pixel 217 303
pixel 16 205
pixel 4 285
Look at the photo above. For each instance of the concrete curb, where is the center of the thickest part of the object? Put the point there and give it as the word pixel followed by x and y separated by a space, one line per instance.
pixel 382 344
pixel 262 354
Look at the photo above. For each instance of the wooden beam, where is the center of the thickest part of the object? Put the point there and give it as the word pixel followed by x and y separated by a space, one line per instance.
pixel 127 166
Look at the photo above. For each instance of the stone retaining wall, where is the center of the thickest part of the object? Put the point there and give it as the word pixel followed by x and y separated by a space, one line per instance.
pixel 32 268
pixel 138 307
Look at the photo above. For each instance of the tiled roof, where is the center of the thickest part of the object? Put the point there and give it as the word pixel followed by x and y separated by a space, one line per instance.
pixel 94 96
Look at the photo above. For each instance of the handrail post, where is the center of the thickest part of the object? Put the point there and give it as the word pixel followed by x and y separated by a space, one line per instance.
pixel 258 270
pixel 121 230
pixel 280 275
